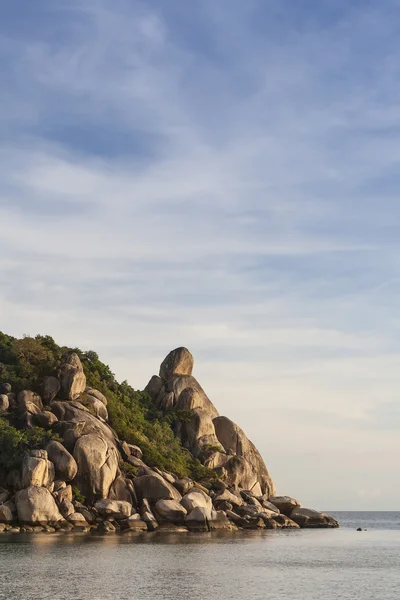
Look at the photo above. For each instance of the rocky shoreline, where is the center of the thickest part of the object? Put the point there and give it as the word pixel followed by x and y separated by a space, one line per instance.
pixel 77 483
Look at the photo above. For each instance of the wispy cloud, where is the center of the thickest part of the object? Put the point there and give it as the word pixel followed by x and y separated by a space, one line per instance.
pixel 222 176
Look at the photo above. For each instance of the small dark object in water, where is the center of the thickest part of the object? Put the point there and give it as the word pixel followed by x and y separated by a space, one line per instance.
pixel 361 529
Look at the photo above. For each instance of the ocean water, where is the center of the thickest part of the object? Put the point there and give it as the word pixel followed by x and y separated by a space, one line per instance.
pixel 340 564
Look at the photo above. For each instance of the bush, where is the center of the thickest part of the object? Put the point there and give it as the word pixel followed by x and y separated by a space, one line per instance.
pixel 78 496
pixel 15 443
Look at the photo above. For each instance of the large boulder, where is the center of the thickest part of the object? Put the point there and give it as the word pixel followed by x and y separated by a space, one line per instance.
pixel 5 388
pixel 235 442
pixel 36 505
pixel 147 515
pixel 37 470
pixel 135 523
pixel 154 487
pixel 64 493
pixel 153 388
pixel 219 521
pixel 45 419
pixel 81 421
pixel 96 407
pixel 227 496
pixel 178 362
pixel 131 450
pixel 97 461
pixel 308 518
pixel 198 518
pixel 170 510
pixel 51 387
pixel 285 504
pixel 283 521
pixel 118 509
pixel 199 432
pixel 166 401
pixel 64 463
pixel 184 485
pixel 6 513
pixel 122 489
pixel 66 507
pixel 214 459
pixel 190 395
pixel 29 402
pixel 72 377
pixel 197 499
pixel 96 394
pixel 4 403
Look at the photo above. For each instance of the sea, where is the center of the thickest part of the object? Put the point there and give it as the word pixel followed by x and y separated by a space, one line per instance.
pixel 313 564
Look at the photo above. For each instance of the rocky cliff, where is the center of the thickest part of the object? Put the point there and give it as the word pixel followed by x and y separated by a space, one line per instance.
pixel 80 452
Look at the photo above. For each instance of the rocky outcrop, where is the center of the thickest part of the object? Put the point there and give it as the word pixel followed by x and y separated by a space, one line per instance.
pixel 51 387
pixel 216 440
pixel 36 505
pixel 247 469
pixel 97 462
pixel 199 432
pixel 4 403
pixel 114 508
pixel 72 378
pixel 178 362
pixel 29 402
pixel 112 489
pixel 197 499
pixel 6 513
pixel 96 407
pixel 45 419
pixel 308 518
pixel 37 470
pixel 285 504
pixel 64 463
pixel 170 510
pixel 154 487
pixel 96 394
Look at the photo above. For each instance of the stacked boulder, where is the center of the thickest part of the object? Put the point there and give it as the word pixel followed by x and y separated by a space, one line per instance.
pixel 218 442
pixel 76 484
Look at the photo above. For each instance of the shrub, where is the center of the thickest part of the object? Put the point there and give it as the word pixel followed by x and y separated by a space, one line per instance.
pixel 15 443
pixel 78 496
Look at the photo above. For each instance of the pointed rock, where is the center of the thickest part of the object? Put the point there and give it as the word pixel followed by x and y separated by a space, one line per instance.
pixel 178 362
pixel 72 377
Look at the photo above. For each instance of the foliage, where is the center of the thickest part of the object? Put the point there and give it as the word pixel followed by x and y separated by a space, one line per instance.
pixel 199 472
pixel 212 448
pixel 78 496
pixel 129 470
pixel 25 362
pixel 15 443
pixel 174 415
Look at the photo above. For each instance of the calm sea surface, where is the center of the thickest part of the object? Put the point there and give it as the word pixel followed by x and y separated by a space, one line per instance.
pixel 338 564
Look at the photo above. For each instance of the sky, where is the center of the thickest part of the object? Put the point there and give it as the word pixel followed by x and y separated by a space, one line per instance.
pixel 221 175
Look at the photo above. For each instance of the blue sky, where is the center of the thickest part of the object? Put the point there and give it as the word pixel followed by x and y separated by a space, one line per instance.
pixel 222 175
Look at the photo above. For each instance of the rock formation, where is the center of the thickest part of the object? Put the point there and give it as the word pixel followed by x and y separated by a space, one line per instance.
pixel 219 442
pixel 78 482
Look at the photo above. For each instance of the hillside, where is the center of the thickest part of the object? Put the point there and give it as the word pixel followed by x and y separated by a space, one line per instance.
pixel 78 450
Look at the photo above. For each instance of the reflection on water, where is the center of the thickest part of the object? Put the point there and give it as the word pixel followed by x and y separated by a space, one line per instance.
pixel 292 565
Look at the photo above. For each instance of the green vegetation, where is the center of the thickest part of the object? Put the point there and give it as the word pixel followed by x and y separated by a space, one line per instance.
pixel 78 496
pixel 25 362
pixel 15 443
pixel 129 470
